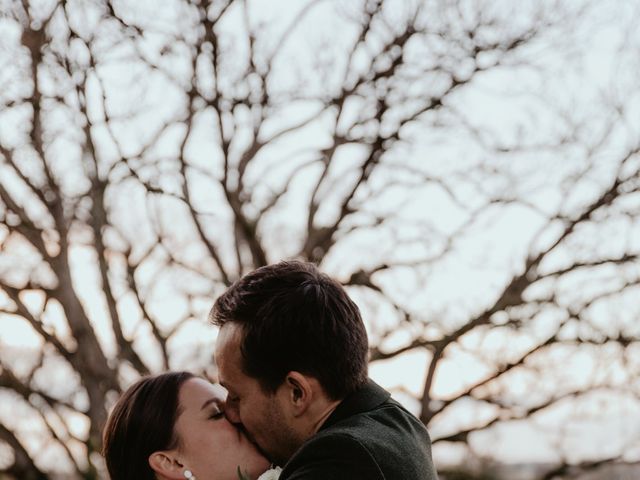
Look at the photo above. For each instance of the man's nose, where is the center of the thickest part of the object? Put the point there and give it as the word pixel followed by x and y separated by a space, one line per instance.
pixel 232 413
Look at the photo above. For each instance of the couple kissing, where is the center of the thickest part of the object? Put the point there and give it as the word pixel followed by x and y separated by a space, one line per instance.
pixel 297 402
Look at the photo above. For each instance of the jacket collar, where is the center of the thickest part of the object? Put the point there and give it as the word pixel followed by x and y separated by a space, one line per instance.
pixel 366 398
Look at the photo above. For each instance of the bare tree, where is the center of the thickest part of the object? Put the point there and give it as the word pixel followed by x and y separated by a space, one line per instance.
pixel 151 156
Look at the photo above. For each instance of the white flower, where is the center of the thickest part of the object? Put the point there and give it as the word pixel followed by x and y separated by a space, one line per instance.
pixel 271 474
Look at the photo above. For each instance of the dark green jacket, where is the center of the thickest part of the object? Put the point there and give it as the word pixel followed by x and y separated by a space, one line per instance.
pixel 368 436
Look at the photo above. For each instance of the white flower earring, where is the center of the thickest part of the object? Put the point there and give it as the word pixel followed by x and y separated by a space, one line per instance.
pixel 188 474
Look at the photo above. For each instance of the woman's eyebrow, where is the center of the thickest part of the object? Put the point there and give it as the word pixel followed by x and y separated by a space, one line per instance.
pixel 209 402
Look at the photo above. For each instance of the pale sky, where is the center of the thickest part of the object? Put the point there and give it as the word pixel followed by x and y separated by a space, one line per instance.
pixel 459 285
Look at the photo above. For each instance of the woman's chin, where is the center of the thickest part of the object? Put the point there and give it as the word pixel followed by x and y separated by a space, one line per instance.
pixel 257 467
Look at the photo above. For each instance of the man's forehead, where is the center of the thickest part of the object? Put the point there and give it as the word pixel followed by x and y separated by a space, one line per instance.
pixel 230 376
pixel 229 336
pixel 225 377
pixel 228 354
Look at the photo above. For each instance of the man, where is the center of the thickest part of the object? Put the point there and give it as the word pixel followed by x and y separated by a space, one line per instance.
pixel 292 352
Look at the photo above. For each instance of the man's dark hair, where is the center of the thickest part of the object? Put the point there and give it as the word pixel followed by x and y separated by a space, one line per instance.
pixel 294 317
pixel 142 422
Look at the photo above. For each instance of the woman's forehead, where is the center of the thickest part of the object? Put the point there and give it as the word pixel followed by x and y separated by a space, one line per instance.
pixel 197 392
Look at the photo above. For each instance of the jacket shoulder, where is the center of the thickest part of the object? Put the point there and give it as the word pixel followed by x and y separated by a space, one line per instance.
pixel 385 443
pixel 333 455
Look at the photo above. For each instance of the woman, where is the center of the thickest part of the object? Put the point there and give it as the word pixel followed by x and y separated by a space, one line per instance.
pixel 172 427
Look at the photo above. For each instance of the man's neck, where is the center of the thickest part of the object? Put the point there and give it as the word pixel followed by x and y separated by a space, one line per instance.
pixel 323 414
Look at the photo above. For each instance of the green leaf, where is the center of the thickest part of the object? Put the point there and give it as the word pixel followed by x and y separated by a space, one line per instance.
pixel 241 475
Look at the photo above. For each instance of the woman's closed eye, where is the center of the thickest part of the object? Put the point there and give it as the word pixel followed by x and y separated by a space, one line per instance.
pixel 216 414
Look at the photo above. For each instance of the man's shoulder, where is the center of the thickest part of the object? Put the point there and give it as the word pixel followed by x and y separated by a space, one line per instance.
pixel 388 416
pixel 333 454
pixel 373 444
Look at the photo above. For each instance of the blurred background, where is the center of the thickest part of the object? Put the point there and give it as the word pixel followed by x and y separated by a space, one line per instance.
pixel 468 169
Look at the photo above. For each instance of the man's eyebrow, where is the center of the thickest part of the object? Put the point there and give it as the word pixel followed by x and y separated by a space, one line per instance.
pixel 208 402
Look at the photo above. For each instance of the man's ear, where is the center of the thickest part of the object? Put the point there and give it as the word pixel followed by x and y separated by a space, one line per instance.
pixel 300 392
pixel 167 465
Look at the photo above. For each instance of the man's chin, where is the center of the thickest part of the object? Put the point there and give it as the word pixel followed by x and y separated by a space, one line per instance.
pixel 265 453
pixel 253 442
pixel 273 457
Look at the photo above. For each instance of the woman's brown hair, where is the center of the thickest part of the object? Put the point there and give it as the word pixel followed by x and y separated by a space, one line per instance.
pixel 142 422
